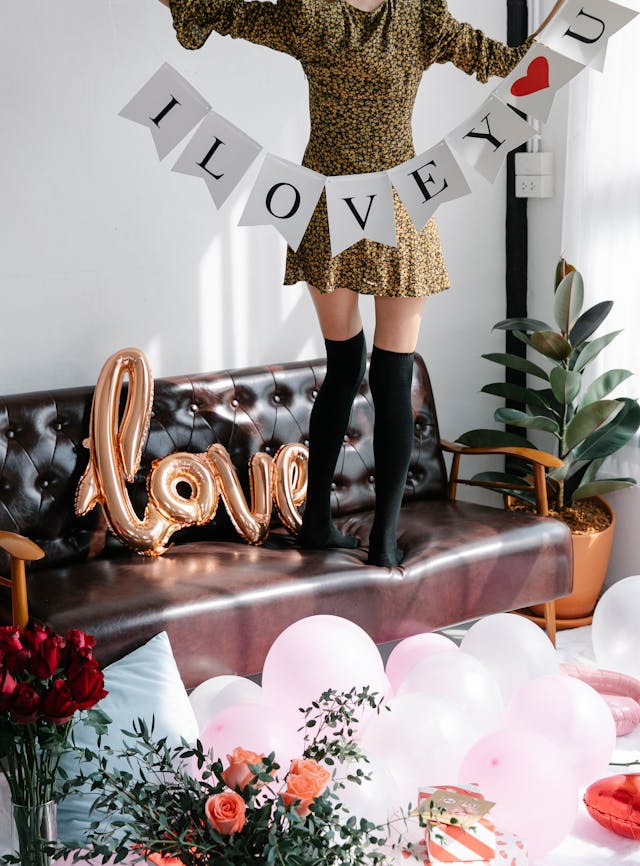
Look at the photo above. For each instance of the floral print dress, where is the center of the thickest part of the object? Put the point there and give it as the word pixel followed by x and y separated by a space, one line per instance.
pixel 363 70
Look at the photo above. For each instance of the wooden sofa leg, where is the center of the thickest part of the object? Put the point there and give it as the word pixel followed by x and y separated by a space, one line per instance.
pixel 550 620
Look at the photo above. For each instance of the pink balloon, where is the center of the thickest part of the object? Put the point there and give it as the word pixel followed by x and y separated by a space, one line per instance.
pixel 255 727
pixel 530 781
pixel 412 650
pixel 573 716
pixel 320 653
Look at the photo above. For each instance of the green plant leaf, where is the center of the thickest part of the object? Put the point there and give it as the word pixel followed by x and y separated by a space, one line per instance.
pixel 565 384
pixel 487 438
pixel 522 419
pixel 551 345
pixel 589 419
pixel 603 385
pixel 528 396
pixel 521 325
pixel 522 336
pixel 589 322
pixel 562 269
pixel 568 301
pixel 612 436
pixel 604 485
pixel 517 363
pixel 592 349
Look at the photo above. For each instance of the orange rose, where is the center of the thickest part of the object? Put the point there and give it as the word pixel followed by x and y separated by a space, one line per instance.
pixel 226 812
pixel 159 860
pixel 306 781
pixel 238 774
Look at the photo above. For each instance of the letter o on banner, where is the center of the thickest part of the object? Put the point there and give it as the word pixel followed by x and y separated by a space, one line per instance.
pixel 270 196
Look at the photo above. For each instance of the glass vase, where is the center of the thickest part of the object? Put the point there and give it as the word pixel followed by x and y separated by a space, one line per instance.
pixel 33 830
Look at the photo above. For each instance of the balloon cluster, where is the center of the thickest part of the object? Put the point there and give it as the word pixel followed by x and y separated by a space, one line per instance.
pixel 497 710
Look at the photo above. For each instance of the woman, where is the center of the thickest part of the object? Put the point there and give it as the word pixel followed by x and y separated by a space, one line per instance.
pixel 364 61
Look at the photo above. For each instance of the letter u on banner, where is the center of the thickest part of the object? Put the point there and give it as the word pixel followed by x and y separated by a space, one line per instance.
pixel 360 206
pixel 582 28
pixel 284 195
pixel 167 105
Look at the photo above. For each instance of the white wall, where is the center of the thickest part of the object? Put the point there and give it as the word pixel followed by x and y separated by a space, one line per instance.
pixel 102 246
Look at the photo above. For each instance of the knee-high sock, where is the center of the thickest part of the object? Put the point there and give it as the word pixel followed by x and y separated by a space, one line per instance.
pixel 390 382
pixel 346 362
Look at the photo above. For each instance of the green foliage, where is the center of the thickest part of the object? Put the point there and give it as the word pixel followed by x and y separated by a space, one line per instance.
pixel 585 427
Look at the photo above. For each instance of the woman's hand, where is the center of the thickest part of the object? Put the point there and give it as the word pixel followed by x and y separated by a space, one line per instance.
pixel 551 14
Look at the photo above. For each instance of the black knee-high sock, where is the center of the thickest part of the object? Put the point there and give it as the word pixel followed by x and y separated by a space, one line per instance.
pixel 346 362
pixel 390 382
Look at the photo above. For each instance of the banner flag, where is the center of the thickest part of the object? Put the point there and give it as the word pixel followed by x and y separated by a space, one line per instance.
pixel 284 195
pixel 360 206
pixel 486 138
pixel 427 181
pixel 534 82
pixel 167 105
pixel 581 28
pixel 219 153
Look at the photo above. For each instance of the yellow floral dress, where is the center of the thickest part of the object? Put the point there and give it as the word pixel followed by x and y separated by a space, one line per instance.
pixel 363 70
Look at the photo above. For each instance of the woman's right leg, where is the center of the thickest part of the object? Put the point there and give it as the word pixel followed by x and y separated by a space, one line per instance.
pixel 341 327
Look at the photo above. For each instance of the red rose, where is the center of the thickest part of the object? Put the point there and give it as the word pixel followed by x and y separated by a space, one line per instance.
pixel 58 704
pixel 9 638
pixel 35 634
pixel 25 703
pixel 7 686
pixel 17 661
pixel 44 662
pixel 78 639
pixel 86 682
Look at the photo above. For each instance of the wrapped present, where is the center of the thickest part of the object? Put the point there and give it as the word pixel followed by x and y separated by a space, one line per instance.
pixel 510 850
pixel 458 830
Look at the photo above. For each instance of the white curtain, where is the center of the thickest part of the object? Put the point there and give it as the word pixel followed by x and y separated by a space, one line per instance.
pixel 601 223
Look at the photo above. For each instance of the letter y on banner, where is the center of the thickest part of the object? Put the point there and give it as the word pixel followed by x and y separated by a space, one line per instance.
pixel 284 195
pixel 360 206
pixel 581 28
pixel 169 106
pixel 487 137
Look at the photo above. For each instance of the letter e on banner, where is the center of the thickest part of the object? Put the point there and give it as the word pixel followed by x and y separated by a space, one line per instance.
pixel 360 206
pixel 487 137
pixel 582 28
pixel 427 181
pixel 284 195
pixel 220 153
pixel 167 105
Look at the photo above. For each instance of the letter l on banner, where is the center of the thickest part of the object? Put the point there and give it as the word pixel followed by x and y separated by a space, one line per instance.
pixel 360 206
pixel 167 105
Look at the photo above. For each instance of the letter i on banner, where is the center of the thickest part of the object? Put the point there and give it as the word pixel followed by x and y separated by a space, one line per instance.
pixel 284 195
pixel 167 105
pixel 220 154
pixel 487 137
pixel 581 28
pixel 360 206
pixel 534 82
pixel 427 181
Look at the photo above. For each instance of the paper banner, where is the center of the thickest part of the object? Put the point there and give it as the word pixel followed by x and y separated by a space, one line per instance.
pixel 581 28
pixel 427 181
pixel 169 106
pixel 284 196
pixel 219 153
pixel 487 137
pixel 534 82
pixel 360 206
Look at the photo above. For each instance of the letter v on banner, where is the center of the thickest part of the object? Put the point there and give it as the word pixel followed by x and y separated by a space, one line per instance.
pixel 360 206
pixel 168 106
pixel 487 137
pixel 581 28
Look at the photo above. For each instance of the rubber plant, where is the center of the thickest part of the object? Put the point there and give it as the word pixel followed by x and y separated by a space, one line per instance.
pixel 585 423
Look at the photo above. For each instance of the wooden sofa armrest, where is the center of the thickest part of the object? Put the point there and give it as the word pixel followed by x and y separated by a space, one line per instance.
pixel 540 460
pixel 20 550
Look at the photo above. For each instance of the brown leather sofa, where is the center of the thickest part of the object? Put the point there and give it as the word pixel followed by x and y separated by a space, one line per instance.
pixel 223 601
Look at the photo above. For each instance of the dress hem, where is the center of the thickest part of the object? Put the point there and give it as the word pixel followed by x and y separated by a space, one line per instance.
pixel 431 290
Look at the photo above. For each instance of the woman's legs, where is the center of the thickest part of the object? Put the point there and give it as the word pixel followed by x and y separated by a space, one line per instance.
pixel 396 334
pixel 346 359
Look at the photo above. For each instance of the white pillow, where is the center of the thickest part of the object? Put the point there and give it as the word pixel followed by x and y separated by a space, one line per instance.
pixel 145 684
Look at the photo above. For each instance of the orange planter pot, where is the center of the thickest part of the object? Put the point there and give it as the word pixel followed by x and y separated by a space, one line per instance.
pixel 590 562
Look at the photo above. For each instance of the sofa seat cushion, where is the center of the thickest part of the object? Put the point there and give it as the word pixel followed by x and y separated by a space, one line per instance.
pixel 223 603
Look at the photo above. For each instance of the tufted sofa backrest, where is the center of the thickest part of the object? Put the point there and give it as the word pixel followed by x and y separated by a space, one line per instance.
pixel 255 409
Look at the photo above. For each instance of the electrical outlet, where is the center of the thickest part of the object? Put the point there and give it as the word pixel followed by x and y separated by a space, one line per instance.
pixel 534 186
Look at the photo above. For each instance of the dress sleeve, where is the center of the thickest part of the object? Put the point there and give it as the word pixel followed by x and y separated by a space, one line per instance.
pixel 277 25
pixel 470 50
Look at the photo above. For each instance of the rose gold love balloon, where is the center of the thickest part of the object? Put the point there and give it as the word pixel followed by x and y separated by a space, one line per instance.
pixel 290 483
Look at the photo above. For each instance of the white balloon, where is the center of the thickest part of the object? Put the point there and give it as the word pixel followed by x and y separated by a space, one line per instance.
pixel 217 693
pixel 464 681
pixel 377 799
pixel 513 649
pixel 616 627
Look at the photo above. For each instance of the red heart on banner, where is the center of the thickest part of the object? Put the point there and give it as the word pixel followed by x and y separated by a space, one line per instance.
pixel 537 78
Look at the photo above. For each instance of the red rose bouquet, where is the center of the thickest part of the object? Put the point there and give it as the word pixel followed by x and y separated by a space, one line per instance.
pixel 45 681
